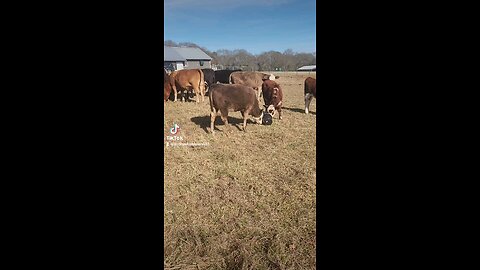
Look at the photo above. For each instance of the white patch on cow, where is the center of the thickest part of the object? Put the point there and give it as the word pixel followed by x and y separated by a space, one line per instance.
pixel 308 99
pixel 272 77
pixel 279 103
pixel 271 110
pixel 258 120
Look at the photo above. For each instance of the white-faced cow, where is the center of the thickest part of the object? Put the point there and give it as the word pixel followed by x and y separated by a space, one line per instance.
pixel 226 98
pixel 310 91
pixel 252 79
pixel 273 96
pixel 188 79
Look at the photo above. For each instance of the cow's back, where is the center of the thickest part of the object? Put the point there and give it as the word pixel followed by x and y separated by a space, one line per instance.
pixel 223 76
pixel 233 97
pixel 248 78
pixel 186 77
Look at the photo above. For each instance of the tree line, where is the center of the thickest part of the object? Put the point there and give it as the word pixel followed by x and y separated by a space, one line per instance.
pixel 266 61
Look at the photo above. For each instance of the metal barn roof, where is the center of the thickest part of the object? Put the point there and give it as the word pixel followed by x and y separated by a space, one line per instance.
pixel 184 53
pixel 312 67
pixel 170 54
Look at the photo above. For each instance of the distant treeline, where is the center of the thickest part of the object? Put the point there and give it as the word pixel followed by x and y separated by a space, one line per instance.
pixel 266 61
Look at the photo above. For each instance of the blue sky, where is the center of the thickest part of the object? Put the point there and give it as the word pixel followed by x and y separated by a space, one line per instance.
pixel 254 25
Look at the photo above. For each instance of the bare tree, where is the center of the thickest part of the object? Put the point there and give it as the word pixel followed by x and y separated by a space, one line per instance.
pixel 265 61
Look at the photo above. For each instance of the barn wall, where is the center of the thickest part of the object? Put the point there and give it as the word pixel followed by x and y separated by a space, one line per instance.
pixel 191 64
pixel 176 65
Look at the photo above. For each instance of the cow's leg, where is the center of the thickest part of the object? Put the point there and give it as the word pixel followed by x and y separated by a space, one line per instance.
pixel 197 94
pixel 245 116
pixel 224 116
pixel 213 115
pixel 203 90
pixel 280 113
pixel 174 93
pixel 308 99
pixel 188 94
pixel 183 95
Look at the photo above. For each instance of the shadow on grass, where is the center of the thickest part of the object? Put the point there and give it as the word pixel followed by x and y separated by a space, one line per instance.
pixel 204 122
pixel 298 110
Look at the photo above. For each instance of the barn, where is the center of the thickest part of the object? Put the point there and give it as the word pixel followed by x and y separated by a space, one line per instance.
pixel 176 58
pixel 308 68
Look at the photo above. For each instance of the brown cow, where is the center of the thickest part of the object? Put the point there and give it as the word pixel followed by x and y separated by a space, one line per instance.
pixel 233 98
pixel 188 79
pixel 166 86
pixel 273 96
pixel 310 91
pixel 252 79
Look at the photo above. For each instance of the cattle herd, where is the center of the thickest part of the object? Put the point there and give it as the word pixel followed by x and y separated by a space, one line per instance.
pixel 232 91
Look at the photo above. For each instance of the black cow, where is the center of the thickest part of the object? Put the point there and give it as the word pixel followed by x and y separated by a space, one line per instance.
pixel 209 77
pixel 223 76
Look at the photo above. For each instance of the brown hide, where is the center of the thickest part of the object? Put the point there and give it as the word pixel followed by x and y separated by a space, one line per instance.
pixel 311 86
pixel 187 80
pixel 250 78
pixel 226 98
pixel 166 86
pixel 273 95
pixel 310 91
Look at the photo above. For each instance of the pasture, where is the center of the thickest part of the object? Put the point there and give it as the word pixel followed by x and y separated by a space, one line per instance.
pixel 247 199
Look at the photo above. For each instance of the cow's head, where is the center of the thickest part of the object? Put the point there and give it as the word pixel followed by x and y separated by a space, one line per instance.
pixel 272 77
pixel 270 109
pixel 267 119
pixel 269 77
pixel 266 116
pixel 258 120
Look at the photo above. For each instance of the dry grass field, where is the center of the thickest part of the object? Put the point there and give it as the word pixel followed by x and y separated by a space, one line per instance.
pixel 247 199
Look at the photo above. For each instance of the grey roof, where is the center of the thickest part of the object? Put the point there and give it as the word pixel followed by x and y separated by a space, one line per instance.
pixel 184 53
pixel 308 67
pixel 170 54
